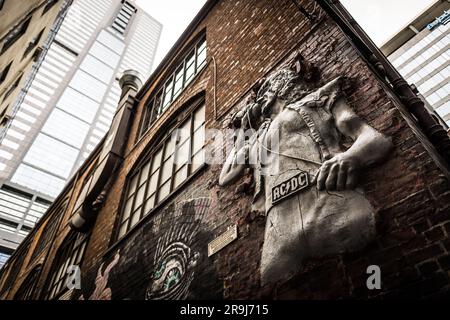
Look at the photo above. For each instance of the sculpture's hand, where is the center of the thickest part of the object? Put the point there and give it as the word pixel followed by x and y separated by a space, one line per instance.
pixel 338 173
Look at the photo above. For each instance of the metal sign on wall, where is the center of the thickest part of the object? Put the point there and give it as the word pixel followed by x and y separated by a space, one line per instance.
pixel 223 240
pixel 290 187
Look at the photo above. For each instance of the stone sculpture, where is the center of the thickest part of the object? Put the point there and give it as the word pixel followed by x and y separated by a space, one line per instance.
pixel 306 182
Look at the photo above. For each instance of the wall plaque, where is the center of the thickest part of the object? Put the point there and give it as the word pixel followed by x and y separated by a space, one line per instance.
pixel 223 240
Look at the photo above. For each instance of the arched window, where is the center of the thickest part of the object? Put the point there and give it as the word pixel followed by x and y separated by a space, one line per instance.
pixel 49 231
pixel 14 267
pixel 28 287
pixel 69 255
pixel 177 157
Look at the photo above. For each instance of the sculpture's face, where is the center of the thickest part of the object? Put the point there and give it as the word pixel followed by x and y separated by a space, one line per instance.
pixel 277 86
pixel 267 101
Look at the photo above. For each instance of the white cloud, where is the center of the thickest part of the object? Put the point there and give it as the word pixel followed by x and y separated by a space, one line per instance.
pixel 381 19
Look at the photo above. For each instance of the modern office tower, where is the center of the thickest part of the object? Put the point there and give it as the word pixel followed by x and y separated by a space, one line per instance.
pixel 421 53
pixel 69 106
pixel 24 27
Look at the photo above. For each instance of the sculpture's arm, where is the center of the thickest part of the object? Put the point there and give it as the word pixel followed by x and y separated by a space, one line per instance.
pixel 236 161
pixel 369 147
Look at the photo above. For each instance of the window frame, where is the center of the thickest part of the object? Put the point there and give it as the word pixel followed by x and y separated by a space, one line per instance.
pixel 28 287
pixel 127 11
pixel 14 267
pixel 33 43
pixel 15 35
pixel 12 87
pixel 4 73
pixel 48 6
pixel 48 232
pixel 136 173
pixel 69 250
pixel 153 112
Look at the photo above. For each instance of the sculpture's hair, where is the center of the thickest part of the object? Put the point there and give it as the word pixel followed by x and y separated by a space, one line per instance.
pixel 292 82
pixel 296 74
pixel 282 82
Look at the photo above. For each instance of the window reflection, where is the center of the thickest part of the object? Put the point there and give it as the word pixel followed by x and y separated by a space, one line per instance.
pixel 66 127
pixel 70 254
pixel 97 68
pixel 194 61
pixel 91 87
pixel 77 104
pixel 19 212
pixel 37 180
pixel 3 258
pixel 177 158
pixel 51 155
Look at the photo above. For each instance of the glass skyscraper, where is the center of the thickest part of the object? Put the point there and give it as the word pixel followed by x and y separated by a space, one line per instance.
pixel 68 107
pixel 421 53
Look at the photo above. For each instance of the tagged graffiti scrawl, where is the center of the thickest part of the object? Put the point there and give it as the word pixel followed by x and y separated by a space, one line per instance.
pixel 102 291
pixel 175 259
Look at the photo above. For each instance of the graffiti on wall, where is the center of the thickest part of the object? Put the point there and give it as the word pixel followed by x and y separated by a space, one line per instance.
pixel 175 258
pixel 102 291
pixel 166 258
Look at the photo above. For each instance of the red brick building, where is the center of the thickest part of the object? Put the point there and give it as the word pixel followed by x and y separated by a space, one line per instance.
pixel 140 225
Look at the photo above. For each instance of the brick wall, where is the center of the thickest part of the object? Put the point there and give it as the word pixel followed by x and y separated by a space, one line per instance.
pixel 249 40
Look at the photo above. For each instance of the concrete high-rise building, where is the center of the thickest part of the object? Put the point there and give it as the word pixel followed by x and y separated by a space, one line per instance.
pixel 421 53
pixel 27 27
pixel 155 213
pixel 68 105
pixel 24 27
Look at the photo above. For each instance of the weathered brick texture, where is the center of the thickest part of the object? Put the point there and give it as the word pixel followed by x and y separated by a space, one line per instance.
pixel 248 40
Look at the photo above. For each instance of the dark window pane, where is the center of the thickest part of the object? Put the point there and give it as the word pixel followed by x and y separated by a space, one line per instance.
pixel 4 72
pixel 33 43
pixel 133 185
pixel 180 176
pixel 149 204
pixel 69 254
pixel 170 166
pixel 13 87
pixel 49 5
pixel 177 81
pixel 15 35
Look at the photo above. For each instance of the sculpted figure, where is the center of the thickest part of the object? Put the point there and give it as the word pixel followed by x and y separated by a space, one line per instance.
pixel 306 181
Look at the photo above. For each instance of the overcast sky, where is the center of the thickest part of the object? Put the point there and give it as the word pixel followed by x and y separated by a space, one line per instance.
pixel 175 16
pixel 380 18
